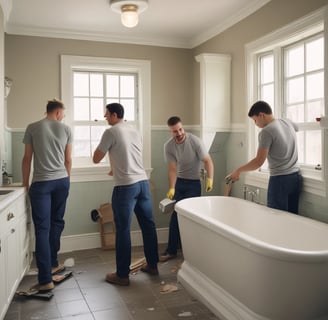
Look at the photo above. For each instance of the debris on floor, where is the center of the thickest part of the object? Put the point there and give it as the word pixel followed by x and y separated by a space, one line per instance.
pixel 185 314
pixel 168 288
pixel 69 262
pixel 136 264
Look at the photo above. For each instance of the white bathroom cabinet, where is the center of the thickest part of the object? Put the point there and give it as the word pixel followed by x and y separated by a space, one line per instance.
pixel 215 95
pixel 15 255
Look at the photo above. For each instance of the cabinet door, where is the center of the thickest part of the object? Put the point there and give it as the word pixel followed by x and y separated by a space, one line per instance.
pixel 3 287
pixel 12 259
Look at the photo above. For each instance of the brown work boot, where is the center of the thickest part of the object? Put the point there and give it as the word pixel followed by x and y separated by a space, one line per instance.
pixel 43 287
pixel 147 269
pixel 113 278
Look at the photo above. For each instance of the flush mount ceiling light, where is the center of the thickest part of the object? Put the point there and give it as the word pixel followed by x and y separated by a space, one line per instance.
pixel 129 10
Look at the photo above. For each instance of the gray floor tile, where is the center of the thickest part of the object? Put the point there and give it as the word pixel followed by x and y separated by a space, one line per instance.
pixel 87 296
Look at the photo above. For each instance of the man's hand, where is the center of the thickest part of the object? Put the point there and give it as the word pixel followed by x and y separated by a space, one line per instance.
pixel 234 176
pixel 170 193
pixel 209 184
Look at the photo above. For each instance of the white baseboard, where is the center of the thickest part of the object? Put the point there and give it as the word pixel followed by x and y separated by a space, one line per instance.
pixel 92 240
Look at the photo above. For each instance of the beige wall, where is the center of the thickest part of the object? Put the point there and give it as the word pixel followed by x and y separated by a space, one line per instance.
pixel 269 18
pixel 34 65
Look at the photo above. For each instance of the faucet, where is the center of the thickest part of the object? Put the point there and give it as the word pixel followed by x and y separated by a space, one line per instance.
pixel 253 193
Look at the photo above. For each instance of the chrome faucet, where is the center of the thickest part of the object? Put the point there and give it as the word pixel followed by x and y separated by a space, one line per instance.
pixel 253 193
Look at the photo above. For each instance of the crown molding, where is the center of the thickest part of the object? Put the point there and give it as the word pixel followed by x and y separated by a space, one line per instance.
pixel 237 17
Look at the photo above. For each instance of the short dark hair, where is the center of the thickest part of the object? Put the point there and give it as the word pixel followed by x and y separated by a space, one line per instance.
pixel 259 106
pixel 116 108
pixel 54 104
pixel 173 121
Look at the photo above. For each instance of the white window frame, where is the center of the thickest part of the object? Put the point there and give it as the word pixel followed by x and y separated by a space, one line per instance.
pixel 314 181
pixel 142 68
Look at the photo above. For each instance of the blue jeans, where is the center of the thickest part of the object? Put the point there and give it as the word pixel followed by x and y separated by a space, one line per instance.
pixel 284 192
pixel 126 199
pixel 184 188
pixel 48 203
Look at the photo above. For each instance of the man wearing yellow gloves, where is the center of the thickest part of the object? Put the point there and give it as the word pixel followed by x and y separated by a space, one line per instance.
pixel 185 154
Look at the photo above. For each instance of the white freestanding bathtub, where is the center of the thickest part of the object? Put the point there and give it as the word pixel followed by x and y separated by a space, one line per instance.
pixel 247 262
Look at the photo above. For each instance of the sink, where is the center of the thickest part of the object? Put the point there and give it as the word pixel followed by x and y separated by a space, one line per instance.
pixel 3 192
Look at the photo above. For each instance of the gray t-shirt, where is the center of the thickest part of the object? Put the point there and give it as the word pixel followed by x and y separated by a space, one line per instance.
pixel 279 137
pixel 187 155
pixel 124 145
pixel 48 139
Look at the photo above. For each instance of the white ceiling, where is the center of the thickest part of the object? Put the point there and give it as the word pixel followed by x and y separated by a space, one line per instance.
pixel 173 23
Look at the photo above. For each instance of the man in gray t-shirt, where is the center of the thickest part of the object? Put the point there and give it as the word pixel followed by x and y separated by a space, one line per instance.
pixel 277 143
pixel 131 193
pixel 48 143
pixel 185 154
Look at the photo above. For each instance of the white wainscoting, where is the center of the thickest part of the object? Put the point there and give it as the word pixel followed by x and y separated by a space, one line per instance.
pixel 92 240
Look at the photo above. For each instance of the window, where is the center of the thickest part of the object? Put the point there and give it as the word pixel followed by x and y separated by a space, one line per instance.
pixel 286 69
pixel 88 84
pixel 92 91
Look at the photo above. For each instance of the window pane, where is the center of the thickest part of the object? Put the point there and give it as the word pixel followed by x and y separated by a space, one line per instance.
pixel 295 90
pixel 129 109
pixel 96 85
pixel 97 109
pixel 314 110
pixel 96 132
pixel 81 132
pixel 296 113
pixel 112 86
pixel 81 109
pixel 294 61
pixel 313 147
pixel 315 55
pixel 314 86
pixel 81 148
pixel 127 86
pixel 267 94
pixel 112 101
pixel 81 84
pixel 267 71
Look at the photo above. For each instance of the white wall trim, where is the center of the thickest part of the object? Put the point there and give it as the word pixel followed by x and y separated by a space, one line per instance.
pixel 92 240
pixel 165 128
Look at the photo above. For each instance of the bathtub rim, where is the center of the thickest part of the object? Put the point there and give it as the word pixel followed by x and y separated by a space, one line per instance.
pixel 251 243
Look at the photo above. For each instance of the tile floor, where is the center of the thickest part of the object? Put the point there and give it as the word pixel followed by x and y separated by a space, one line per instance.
pixel 86 295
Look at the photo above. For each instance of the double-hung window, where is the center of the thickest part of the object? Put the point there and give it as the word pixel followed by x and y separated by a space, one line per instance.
pixel 92 91
pixel 88 85
pixel 287 70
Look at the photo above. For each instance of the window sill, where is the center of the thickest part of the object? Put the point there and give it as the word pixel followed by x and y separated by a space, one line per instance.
pixel 96 173
pixel 312 182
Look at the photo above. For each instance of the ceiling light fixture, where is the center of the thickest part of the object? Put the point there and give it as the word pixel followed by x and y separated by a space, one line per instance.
pixel 129 10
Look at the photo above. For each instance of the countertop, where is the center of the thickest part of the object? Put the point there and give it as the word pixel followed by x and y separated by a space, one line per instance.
pixel 7 199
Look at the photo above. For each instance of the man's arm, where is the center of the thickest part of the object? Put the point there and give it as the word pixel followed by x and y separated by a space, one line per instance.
pixel 251 165
pixel 68 159
pixel 172 174
pixel 26 164
pixel 209 167
pixel 98 156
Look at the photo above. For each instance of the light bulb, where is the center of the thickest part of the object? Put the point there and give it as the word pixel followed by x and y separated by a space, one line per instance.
pixel 129 15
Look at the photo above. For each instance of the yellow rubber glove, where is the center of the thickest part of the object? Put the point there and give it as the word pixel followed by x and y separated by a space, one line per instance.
pixel 170 193
pixel 209 185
